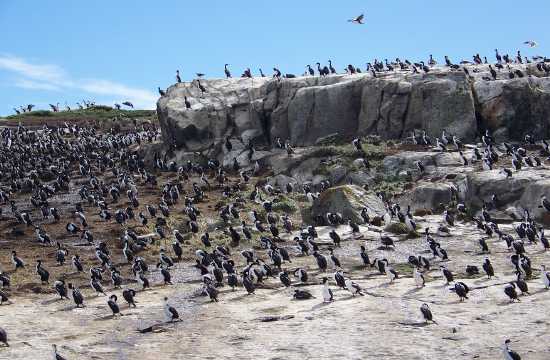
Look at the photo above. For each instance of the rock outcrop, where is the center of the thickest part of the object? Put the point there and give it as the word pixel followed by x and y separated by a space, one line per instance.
pixel 392 105
pixel 347 200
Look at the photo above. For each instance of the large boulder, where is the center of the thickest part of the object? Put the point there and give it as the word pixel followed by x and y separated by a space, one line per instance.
pixel 514 108
pixel 393 106
pixel 406 160
pixel 522 191
pixel 226 109
pixel 428 196
pixel 347 200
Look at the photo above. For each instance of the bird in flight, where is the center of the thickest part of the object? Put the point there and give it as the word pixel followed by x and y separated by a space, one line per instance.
pixel 358 20
pixel 531 43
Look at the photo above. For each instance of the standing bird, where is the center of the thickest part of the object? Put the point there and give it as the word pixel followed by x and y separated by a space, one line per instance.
pixel 522 284
pixel 19 264
pixel 57 356
pixel 510 291
pixel 461 290
pixel 488 268
pixel 419 278
pixel 170 312
pixel 545 276
pixel 77 296
pixel 42 272
pixel 113 305
pixel 321 261
pixel 326 291
pixel 227 72
pixel 544 203
pixel 447 274
pixel 4 337
pixel 427 313
pixel 60 289
pixel 509 354
pixel 353 288
pixel 364 256
pixel 201 87
pixel 128 295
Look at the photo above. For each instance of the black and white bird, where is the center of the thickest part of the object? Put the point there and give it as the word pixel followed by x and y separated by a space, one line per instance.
pixel 96 285
pixel 4 337
pixel 112 302
pixel 358 20
pixel 545 204
pixel 447 274
pixel 545 277
pixel 391 273
pixel 170 312
pixel 353 288
pixel 488 268
pixel 419 278
pixel 461 290
pixel 129 295
pixel 77 296
pixel 321 261
pixel 16 261
pixel 427 313
pixel 326 292
pixel 56 354
pixel 507 353
pixel 42 272
pixel 165 259
pixel 61 289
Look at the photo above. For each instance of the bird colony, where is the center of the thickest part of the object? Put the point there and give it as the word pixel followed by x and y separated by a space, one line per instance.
pixel 109 251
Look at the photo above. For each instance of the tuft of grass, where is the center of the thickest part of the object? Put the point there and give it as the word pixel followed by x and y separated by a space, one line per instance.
pixel 287 206
pixel 40 113
pixel 390 184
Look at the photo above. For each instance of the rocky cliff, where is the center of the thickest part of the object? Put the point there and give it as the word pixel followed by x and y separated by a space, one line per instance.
pixel 391 105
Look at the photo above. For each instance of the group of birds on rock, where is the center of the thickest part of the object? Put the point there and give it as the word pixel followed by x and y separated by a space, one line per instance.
pixel 379 67
pixel 84 104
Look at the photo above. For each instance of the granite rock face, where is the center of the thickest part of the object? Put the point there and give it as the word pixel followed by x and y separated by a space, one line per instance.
pixel 348 200
pixel 391 105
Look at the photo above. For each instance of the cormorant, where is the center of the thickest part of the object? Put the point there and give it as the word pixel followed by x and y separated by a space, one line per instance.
pixel 227 72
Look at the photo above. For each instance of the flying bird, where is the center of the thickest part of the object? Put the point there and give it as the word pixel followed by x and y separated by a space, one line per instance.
pixel 531 43
pixel 358 20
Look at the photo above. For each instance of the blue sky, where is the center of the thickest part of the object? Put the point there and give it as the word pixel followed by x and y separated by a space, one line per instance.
pixel 110 51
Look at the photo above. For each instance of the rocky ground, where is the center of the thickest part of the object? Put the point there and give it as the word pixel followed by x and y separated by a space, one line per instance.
pixel 385 323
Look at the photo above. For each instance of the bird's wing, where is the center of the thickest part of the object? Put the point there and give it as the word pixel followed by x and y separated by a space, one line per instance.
pixel 360 17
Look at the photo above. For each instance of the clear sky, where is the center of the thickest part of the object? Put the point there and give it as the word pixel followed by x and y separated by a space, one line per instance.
pixel 110 51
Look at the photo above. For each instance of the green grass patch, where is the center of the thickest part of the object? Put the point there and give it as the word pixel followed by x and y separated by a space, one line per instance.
pixel 285 205
pixel 99 112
